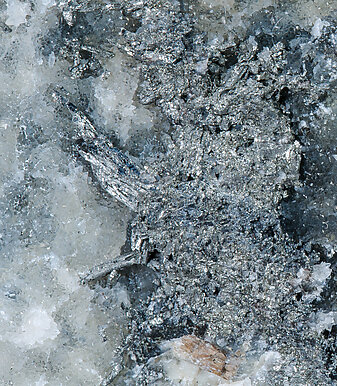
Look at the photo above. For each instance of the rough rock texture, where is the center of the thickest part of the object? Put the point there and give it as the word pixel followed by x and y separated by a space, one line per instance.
pixel 215 126
pixel 232 216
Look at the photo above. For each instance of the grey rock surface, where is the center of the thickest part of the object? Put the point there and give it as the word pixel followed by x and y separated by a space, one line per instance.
pixel 209 128
pixel 237 207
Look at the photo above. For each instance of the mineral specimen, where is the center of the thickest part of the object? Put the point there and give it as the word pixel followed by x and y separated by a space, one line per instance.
pixel 179 160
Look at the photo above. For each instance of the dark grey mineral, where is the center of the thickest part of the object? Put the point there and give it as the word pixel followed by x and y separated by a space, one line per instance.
pixel 242 197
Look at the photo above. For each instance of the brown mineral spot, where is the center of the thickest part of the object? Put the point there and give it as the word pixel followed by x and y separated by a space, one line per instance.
pixel 205 355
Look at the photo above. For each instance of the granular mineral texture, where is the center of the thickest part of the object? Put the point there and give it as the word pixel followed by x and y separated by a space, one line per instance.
pixel 168 192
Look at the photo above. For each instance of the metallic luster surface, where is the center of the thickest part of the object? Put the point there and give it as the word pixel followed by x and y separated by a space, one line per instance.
pixel 210 227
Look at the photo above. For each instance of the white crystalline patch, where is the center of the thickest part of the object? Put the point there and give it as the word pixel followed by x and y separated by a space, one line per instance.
pixel 201 66
pixel 316 278
pixel 321 272
pixel 66 277
pixel 323 110
pixel 324 321
pixel 51 59
pixel 37 326
pixel 43 292
pixel 182 372
pixel 182 369
pixel 333 39
pixel 303 274
pixel 42 381
pixel 67 280
pixel 47 3
pixel 266 362
pixel 8 153
pixel 113 98
pixel 317 28
pixel 219 3
pixel 83 364
pixel 16 12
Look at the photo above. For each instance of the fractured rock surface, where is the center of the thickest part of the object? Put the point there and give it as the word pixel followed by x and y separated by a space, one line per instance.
pixel 209 129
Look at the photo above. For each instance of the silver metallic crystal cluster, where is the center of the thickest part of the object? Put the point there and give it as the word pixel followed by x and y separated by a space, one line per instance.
pixel 222 225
